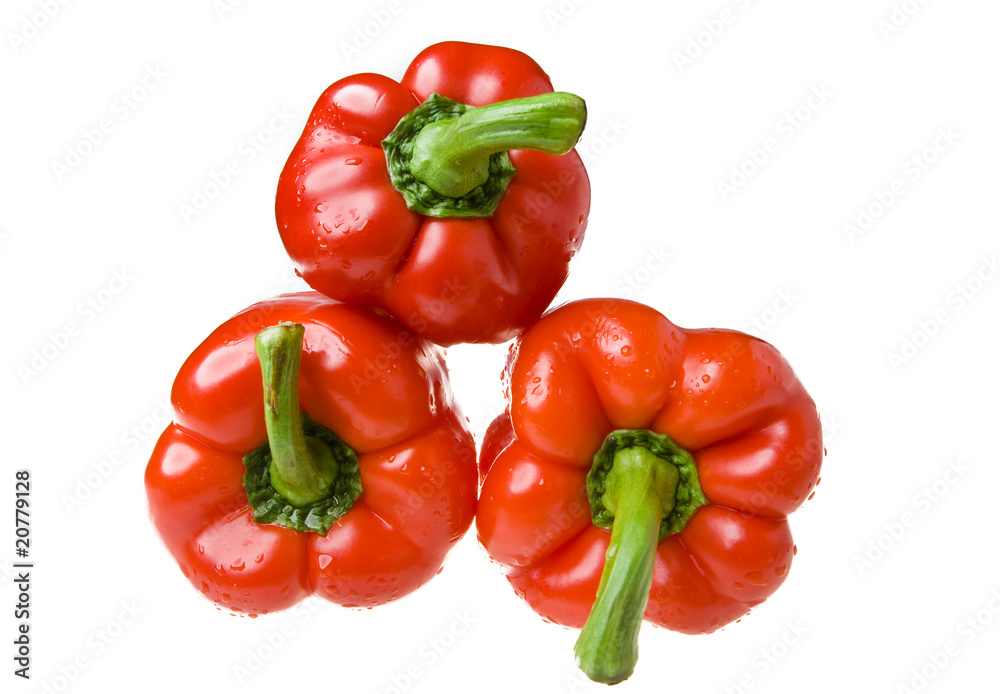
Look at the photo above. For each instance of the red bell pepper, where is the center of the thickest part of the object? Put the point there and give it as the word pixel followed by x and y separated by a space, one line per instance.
pixel 441 198
pixel 356 499
pixel 644 471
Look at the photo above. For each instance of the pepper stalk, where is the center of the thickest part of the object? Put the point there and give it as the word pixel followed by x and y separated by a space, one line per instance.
pixel 448 159
pixel 645 488
pixel 304 476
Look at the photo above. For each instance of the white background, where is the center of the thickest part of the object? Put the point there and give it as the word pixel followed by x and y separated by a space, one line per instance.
pixel 896 553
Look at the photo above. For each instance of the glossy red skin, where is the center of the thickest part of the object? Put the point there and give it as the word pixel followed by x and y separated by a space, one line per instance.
pixel 352 237
pixel 382 390
pixel 594 366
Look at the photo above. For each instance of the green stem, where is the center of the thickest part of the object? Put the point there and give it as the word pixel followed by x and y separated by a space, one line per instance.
pixel 452 155
pixel 302 468
pixel 640 491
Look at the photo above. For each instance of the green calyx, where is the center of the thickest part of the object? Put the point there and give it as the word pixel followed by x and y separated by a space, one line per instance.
pixel 687 497
pixel 271 507
pixel 645 488
pixel 303 477
pixel 448 159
